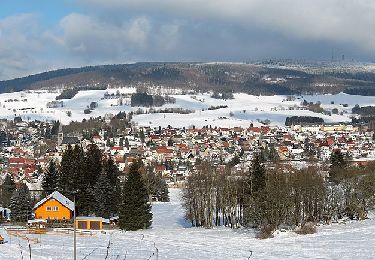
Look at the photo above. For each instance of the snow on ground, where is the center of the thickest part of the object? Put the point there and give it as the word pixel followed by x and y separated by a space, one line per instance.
pixel 241 111
pixel 175 239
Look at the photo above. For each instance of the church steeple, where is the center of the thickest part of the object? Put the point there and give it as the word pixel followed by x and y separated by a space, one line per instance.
pixel 60 135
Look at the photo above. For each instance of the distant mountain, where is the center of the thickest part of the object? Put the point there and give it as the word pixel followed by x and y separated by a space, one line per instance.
pixel 258 79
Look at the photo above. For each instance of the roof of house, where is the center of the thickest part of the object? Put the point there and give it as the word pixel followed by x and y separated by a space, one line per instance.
pixel 60 198
pixel 70 140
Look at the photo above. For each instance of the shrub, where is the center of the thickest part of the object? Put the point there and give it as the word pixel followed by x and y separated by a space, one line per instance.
pixel 266 231
pixel 307 228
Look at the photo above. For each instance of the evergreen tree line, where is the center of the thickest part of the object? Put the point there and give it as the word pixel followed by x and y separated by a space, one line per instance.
pixel 95 184
pixel 17 199
pixel 276 197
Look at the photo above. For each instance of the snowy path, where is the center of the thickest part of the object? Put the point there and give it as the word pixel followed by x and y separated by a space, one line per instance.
pixel 175 239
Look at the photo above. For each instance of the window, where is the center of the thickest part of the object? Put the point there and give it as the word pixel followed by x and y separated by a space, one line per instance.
pixel 48 209
pixel 55 208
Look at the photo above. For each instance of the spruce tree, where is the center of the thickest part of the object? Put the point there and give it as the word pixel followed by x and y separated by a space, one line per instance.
pixel 7 189
pixel 65 180
pixel 20 204
pixel 112 173
pixel 127 143
pixel 163 193
pixel 85 200
pixel 338 166
pixel 93 160
pixel 258 176
pixel 50 179
pixel 104 197
pixel 135 210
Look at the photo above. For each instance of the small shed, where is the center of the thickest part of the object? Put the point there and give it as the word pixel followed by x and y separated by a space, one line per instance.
pixel 90 223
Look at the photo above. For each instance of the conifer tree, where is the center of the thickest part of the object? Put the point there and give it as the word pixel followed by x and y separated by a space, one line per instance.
pixel 84 192
pixel 66 175
pixel 104 196
pixel 112 173
pixel 50 179
pixel 20 204
pixel 338 166
pixel 7 189
pixel 258 174
pixel 93 164
pixel 135 210
pixel 127 143
pixel 163 193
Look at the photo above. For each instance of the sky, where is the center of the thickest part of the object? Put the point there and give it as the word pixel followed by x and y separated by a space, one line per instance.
pixel 41 35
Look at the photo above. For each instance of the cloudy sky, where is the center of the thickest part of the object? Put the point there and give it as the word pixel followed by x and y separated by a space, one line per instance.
pixel 39 35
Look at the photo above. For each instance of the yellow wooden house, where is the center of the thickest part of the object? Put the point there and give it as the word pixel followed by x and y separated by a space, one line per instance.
pixel 54 207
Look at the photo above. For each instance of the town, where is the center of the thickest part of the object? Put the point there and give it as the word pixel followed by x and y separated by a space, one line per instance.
pixel 27 147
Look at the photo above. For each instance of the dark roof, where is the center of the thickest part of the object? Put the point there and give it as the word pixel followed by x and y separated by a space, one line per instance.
pixel 70 140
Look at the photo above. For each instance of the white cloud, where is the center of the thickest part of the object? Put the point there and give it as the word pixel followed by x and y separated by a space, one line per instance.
pixel 20 46
pixel 138 32
pixel 349 21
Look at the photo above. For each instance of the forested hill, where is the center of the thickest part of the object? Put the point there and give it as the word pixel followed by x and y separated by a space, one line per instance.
pixel 257 79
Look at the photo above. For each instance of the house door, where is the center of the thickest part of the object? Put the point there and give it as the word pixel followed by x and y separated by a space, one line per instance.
pixel 95 225
pixel 82 225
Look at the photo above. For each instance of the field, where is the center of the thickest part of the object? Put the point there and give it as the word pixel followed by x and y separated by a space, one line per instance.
pixel 240 111
pixel 172 238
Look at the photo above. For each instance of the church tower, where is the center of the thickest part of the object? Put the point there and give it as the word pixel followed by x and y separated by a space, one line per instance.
pixel 60 135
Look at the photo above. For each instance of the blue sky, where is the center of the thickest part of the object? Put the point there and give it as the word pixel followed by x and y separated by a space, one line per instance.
pixel 39 35
pixel 50 11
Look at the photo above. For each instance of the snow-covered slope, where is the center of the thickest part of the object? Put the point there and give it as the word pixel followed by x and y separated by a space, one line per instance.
pixel 175 239
pixel 241 111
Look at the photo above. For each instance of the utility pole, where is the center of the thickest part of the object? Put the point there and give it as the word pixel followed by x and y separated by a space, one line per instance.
pixel 74 230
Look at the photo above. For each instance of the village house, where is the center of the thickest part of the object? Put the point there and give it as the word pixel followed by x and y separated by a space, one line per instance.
pixel 54 207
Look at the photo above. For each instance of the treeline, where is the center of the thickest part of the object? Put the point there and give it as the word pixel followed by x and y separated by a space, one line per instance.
pixel 260 88
pixel 223 95
pixel 296 120
pixel 146 100
pixel 169 110
pixel 362 91
pixel 217 107
pixel 164 72
pixel 94 182
pixel 70 93
pixel 274 197
pixel 364 111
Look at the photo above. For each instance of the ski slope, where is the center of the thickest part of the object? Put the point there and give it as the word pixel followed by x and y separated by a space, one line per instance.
pixel 173 238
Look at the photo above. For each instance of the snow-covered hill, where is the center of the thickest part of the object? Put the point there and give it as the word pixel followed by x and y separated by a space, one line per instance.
pixel 241 111
pixel 175 239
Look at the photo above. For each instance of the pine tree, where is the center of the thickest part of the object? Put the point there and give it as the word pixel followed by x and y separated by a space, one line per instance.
pixel 163 193
pixel 258 174
pixel 142 136
pixel 50 179
pixel 104 196
pixel 66 175
pixel 127 143
pixel 93 160
pixel 85 200
pixel 7 189
pixel 112 174
pixel 338 166
pixel 20 204
pixel 135 211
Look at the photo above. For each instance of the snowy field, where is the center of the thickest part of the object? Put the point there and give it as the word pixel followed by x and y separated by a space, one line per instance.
pixel 175 239
pixel 241 111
